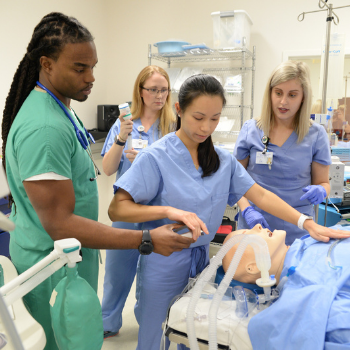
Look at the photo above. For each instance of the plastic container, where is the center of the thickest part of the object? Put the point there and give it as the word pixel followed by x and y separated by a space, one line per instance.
pixel 230 27
pixel 166 48
pixel 125 108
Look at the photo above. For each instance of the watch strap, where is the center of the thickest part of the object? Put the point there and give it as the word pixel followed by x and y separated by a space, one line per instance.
pixel 146 236
pixel 117 141
pixel 146 246
pixel 302 220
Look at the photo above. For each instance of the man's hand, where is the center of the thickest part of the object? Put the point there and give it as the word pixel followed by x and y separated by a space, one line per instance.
pixel 191 220
pixel 166 241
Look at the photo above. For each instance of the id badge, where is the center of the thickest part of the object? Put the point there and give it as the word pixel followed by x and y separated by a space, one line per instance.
pixel 137 143
pixel 265 158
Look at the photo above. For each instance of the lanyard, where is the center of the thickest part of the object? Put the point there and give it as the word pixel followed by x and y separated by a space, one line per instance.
pixel 265 140
pixel 83 139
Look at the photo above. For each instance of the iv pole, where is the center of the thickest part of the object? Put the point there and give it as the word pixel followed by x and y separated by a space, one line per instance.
pixel 321 5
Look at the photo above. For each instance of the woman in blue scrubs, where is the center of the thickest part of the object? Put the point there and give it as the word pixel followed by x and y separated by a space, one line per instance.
pixel 152 117
pixel 184 178
pixel 296 148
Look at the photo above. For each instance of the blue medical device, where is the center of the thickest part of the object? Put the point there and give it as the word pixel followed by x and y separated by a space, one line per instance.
pixel 83 139
pixel 336 209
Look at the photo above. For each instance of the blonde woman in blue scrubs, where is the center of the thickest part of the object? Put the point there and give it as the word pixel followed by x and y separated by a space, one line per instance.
pixel 184 178
pixel 152 117
pixel 296 162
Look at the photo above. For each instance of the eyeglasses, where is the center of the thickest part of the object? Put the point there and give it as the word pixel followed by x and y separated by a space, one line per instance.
pixel 154 91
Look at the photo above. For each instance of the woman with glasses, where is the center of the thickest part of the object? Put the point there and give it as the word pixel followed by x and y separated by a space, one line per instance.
pixel 152 118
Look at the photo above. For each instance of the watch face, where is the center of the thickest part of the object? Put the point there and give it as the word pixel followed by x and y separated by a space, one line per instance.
pixel 146 248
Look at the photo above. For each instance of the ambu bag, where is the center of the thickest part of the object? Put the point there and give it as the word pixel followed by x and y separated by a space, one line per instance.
pixel 76 314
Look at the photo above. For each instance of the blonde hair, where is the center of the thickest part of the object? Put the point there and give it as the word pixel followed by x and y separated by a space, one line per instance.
pixel 284 72
pixel 316 107
pixel 167 117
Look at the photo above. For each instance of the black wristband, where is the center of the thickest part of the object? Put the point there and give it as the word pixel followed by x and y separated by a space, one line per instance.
pixel 118 142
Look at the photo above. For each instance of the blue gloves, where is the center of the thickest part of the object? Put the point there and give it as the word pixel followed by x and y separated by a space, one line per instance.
pixel 315 194
pixel 253 217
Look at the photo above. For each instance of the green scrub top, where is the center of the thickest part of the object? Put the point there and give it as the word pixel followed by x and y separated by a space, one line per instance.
pixel 42 139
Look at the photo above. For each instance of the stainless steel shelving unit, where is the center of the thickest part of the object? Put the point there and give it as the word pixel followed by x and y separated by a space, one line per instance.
pixel 221 63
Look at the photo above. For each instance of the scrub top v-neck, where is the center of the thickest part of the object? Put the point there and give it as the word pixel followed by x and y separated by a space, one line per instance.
pixel 290 170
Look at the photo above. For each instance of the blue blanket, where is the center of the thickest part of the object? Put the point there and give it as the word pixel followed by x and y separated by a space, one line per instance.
pixel 313 310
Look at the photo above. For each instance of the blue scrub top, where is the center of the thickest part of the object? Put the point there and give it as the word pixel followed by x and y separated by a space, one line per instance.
pixel 290 170
pixel 164 174
pixel 152 135
pixel 313 310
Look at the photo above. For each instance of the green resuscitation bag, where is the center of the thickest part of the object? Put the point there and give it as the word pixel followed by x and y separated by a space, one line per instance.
pixel 76 314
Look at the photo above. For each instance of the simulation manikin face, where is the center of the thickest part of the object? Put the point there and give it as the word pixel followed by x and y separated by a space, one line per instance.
pixel 247 270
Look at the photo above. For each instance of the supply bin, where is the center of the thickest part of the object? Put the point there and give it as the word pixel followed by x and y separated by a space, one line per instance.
pixel 230 27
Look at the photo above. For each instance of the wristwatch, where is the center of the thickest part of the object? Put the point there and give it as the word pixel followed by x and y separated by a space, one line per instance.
pixel 146 246
pixel 118 142
pixel 302 220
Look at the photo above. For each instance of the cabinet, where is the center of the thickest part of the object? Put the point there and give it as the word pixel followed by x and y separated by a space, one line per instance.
pixel 234 68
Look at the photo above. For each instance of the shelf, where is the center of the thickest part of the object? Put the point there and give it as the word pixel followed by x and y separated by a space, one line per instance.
pixel 237 78
pixel 203 55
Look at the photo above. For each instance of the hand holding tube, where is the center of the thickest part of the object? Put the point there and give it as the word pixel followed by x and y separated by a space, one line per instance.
pixel 125 127
pixel 253 217
pixel 315 194
pixel 166 241
pixel 191 220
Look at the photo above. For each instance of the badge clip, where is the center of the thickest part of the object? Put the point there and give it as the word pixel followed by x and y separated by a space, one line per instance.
pixel 265 140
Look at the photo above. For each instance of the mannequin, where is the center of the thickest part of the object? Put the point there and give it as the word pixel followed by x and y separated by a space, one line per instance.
pixel 247 271
pixel 313 309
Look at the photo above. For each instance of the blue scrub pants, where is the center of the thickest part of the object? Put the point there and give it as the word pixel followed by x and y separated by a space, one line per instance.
pixel 120 272
pixel 159 279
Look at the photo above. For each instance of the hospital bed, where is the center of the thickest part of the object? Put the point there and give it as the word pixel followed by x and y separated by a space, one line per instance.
pixel 232 331
pixel 213 309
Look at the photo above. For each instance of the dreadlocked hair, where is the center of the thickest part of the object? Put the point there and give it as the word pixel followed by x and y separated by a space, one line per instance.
pixel 54 31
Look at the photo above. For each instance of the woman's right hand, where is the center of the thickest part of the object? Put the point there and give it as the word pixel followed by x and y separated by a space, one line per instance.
pixel 125 127
pixel 191 220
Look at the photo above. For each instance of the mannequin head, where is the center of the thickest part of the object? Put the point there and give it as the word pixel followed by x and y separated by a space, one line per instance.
pixel 247 271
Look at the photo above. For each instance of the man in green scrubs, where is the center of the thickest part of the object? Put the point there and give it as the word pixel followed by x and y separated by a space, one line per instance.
pixel 48 170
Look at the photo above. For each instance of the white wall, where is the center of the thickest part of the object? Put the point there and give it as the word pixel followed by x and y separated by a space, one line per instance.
pixel 124 28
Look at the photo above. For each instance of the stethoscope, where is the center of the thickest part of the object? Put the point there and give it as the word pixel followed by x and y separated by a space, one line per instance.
pixel 83 139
